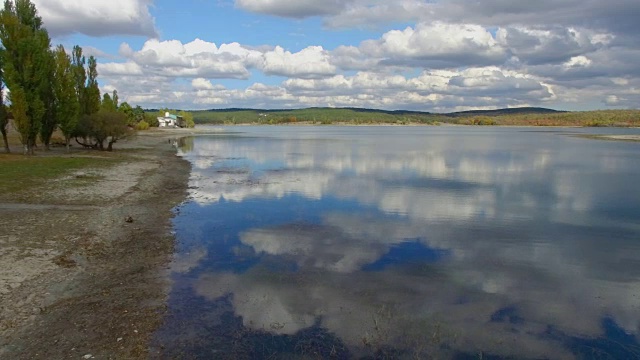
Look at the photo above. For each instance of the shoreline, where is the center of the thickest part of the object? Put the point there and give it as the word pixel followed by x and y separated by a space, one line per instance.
pixel 83 267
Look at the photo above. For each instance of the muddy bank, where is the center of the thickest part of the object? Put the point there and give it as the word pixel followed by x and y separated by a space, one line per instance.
pixel 83 267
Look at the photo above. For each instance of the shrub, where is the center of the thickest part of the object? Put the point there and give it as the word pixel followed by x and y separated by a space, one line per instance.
pixel 142 125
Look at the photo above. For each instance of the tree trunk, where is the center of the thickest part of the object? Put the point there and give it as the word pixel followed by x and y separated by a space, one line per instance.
pixel 32 146
pixel 67 143
pixel 6 141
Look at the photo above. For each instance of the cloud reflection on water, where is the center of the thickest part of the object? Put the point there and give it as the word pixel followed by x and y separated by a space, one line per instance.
pixel 524 222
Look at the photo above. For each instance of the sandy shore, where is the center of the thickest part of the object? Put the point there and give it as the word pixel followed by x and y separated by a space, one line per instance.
pixel 83 268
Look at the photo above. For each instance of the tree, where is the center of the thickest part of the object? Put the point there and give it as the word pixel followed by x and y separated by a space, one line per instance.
pixel 26 66
pixel 108 126
pixel 80 78
pixel 188 118
pixel 114 98
pixel 127 110
pixel 139 113
pixel 88 95
pixel 50 118
pixel 4 116
pixel 107 103
pixel 92 91
pixel 67 105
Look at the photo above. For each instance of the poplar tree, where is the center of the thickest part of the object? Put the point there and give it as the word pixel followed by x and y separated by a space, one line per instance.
pixel 67 103
pixel 26 66
pixel 4 116
pixel 80 77
pixel 49 100
pixel 92 91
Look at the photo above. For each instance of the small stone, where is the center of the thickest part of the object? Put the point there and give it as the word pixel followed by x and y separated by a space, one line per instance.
pixel 119 339
pixel 128 219
pixel 88 356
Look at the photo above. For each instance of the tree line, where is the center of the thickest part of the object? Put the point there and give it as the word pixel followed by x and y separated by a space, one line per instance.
pixel 51 89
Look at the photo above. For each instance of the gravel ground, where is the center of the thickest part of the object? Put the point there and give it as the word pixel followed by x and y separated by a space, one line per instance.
pixel 83 267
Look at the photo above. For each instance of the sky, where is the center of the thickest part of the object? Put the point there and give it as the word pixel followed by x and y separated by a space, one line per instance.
pixel 435 55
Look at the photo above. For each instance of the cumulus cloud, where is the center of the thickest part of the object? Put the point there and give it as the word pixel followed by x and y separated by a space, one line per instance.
pixel 536 46
pixel 202 84
pixel 310 62
pixel 437 45
pixel 442 63
pixel 197 58
pixel 127 68
pixel 97 17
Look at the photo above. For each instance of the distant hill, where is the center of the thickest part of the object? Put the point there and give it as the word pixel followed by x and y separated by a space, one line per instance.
pixel 523 116
pixel 361 110
pixel 496 112
pixel 508 111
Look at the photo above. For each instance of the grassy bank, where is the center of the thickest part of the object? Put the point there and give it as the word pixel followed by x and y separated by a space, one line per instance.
pixel 21 173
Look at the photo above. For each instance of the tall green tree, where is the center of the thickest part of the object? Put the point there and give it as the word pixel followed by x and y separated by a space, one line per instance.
pixel 92 91
pixel 50 118
pixel 67 102
pixel 80 77
pixel 115 99
pixel 26 66
pixel 4 115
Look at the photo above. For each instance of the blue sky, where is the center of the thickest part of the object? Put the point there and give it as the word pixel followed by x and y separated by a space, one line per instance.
pixel 437 55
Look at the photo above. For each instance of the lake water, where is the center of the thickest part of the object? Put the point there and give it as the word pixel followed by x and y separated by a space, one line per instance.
pixel 406 243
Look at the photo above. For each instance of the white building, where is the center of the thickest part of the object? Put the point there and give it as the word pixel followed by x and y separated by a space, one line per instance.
pixel 170 120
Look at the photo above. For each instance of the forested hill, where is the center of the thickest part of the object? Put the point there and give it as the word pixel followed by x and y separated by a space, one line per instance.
pixel 511 116
pixel 509 111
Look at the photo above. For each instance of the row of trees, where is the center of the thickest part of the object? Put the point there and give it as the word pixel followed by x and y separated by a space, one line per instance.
pixel 50 89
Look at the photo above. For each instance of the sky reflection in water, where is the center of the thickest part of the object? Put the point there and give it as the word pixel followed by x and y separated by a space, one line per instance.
pixel 350 242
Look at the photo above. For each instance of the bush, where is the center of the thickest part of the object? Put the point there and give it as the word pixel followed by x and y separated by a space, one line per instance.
pixel 151 119
pixel 142 125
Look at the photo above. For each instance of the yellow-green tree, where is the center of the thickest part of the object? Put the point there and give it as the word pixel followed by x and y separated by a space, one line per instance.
pixel 188 118
pixel 67 104
pixel 4 116
pixel 26 67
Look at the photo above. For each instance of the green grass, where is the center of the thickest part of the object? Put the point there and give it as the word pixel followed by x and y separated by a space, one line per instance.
pixel 22 173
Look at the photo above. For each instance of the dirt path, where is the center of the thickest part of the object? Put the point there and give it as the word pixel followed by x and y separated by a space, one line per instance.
pixel 82 268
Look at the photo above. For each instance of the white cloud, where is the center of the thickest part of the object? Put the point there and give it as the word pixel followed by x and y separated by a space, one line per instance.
pixel 437 44
pixel 578 61
pixel 431 66
pixel 194 59
pixel 310 62
pixel 127 69
pixel 97 17
pixel 202 84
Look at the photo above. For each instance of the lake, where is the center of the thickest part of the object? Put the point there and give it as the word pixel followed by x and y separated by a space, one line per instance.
pixel 394 242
